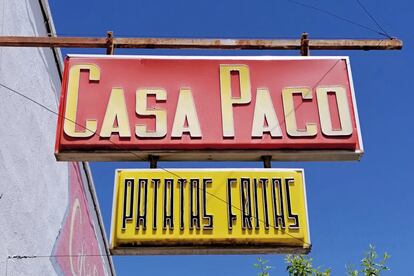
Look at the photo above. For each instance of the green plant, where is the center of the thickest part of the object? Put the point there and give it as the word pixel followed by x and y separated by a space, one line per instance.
pixel 370 266
pixel 262 266
pixel 299 265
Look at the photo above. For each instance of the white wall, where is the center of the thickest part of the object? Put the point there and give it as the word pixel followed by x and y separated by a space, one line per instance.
pixel 33 186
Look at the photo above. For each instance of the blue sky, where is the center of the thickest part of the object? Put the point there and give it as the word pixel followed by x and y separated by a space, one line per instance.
pixel 351 204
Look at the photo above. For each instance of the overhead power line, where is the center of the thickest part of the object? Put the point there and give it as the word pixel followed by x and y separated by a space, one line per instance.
pixel 373 19
pixel 383 33
pixel 142 159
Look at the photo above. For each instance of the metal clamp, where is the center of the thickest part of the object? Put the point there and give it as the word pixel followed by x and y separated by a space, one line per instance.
pixel 267 161
pixel 304 45
pixel 153 161
pixel 110 43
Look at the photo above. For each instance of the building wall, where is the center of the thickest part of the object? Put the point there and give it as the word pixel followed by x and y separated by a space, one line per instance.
pixel 34 188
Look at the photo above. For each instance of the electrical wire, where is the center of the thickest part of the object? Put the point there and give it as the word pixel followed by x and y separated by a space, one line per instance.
pixel 22 257
pixel 383 32
pixel 164 169
pixel 141 159
pixel 373 19
pixel 313 87
pixel 338 17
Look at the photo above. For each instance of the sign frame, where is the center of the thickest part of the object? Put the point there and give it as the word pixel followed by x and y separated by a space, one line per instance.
pixel 208 154
pixel 208 249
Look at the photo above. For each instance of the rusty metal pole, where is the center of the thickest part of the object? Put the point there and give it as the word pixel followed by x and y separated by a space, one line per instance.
pixel 267 161
pixel 153 161
pixel 110 43
pixel 173 43
pixel 304 45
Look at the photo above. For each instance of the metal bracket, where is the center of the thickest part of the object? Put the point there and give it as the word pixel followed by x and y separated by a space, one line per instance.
pixel 267 161
pixel 304 45
pixel 110 43
pixel 153 161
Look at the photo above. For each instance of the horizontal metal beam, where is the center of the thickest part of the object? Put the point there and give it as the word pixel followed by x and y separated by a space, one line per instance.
pixel 174 43
pixel 59 42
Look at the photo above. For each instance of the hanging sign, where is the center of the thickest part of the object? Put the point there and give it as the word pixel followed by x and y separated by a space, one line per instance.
pixel 207 108
pixel 203 211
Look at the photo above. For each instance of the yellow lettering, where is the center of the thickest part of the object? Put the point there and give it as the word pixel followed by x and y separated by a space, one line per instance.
pixel 69 126
pixel 186 111
pixel 325 114
pixel 264 111
pixel 227 100
pixel 290 115
pixel 159 114
pixel 116 110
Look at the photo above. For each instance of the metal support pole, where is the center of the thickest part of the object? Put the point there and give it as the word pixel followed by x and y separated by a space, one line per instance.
pixel 267 161
pixel 304 45
pixel 110 43
pixel 200 43
pixel 153 161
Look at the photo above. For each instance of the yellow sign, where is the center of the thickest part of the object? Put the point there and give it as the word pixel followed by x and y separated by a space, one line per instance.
pixel 204 211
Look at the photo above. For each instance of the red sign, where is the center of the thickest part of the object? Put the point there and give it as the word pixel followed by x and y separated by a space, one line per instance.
pixel 218 108
pixel 77 250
